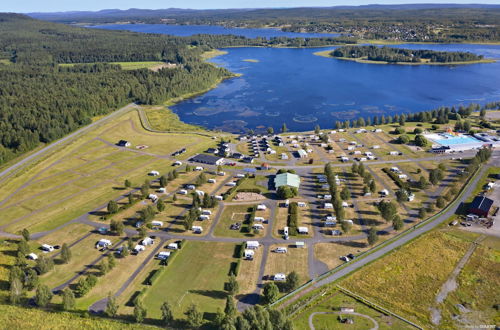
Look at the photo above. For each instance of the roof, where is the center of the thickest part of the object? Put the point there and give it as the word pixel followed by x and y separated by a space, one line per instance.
pixel 207 159
pixel 287 179
pixel 481 203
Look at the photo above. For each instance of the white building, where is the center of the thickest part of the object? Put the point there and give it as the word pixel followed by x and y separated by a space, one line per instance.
pixel 252 245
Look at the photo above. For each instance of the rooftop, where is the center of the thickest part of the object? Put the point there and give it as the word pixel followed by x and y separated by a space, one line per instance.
pixel 287 179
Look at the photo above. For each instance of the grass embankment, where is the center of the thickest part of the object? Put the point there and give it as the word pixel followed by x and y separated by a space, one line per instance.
pixel 326 53
pixel 163 119
pixel 407 281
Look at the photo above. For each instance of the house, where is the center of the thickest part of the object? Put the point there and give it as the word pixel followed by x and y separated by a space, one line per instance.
pixel 300 244
pixel 207 159
pixel 103 243
pixel 279 277
pixel 258 226
pixel 197 229
pixel 281 250
pixel 239 175
pixel 154 173
pixel 393 153
pixel 252 245
pixel 258 219
pixel 198 168
pixel 203 217
pixel 32 256
pixel 147 241
pixel 344 159
pixel 301 204
pixel 219 197
pixel 489 185
pixel 287 179
pixel 156 223
pixel 231 184
pixel 123 143
pixel 162 190
pixel 248 254
pixel 211 181
pixel 303 230
pixel 403 176
pixel 261 207
pixel 480 206
pixel 183 192
pixel 302 153
pixel 345 204
pixel 377 130
pixel 384 192
pixel 190 187
pixel 328 206
pixel 153 197
pixel 173 246
pixel 264 166
pixel 200 193
pixel 163 255
pixel 139 248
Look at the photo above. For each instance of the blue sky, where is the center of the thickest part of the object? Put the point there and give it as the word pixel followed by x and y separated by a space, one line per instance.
pixel 24 6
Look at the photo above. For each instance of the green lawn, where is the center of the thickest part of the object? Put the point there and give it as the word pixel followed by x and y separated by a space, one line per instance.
pixel 233 214
pixel 197 275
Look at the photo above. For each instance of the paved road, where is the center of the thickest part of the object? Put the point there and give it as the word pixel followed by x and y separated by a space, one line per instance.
pixel 8 171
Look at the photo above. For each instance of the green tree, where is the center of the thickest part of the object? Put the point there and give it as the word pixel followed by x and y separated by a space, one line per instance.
pixel 65 253
pixel 160 205
pixel 421 141
pixel 232 285
pixel 292 281
pixel 68 298
pixel 111 261
pixel 44 265
pixel 423 183
pixel 43 295
pixel 194 316
pixel 372 236
pixel 139 312
pixel 16 291
pixel 112 207
pixel 270 292
pixel 111 306
pixel 26 234
pixel 103 267
pixel 144 190
pixel 317 129
pixel 127 183
pixel 373 186
pixel 440 202
pixel 119 228
pixel 285 192
pixel 403 139
pixel 345 194
pixel 284 129
pixel 31 280
pixel 174 198
pixel 23 247
pixel 167 316
pixel 125 251
pixel 163 181
pixel 230 309
pixel 346 226
pixel 270 130
pixel 422 213
pixel 397 223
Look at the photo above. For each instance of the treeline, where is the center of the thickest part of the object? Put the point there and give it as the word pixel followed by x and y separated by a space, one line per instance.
pixel 393 55
pixel 425 23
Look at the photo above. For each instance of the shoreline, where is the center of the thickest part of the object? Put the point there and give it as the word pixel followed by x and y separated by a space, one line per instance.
pixel 326 54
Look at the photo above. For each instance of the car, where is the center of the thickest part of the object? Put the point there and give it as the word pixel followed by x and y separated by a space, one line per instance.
pixel 57 247
pixel 351 256
pixel 344 258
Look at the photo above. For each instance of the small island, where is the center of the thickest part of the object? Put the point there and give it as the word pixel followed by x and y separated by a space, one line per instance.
pixel 390 55
pixel 251 60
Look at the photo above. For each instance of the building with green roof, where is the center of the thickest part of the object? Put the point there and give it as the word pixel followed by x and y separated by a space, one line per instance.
pixel 287 179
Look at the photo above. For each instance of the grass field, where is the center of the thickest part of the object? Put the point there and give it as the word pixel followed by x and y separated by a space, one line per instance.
pixel 233 214
pixel 163 119
pixel 332 302
pixel 248 275
pixel 329 253
pixel 197 275
pixel 13 317
pixel 407 280
pixel 294 260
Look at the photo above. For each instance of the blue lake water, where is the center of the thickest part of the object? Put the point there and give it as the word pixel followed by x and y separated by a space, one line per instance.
pixel 189 30
pixel 295 87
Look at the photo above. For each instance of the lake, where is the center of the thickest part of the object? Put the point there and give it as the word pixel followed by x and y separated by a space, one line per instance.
pixel 295 87
pixel 189 30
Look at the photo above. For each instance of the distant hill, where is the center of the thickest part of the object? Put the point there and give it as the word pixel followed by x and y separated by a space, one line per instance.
pixel 150 15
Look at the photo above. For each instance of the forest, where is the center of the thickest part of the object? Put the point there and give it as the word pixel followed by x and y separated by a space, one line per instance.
pixel 415 23
pixel 393 55
pixel 41 101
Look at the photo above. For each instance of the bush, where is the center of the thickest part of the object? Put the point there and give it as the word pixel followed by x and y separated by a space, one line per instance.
pixel 396 179
pixel 156 273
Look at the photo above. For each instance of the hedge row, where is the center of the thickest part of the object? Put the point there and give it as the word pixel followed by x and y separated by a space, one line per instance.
pixel 293 220
pixel 233 189
pixel 156 273
pixel 396 179
pixel 250 190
